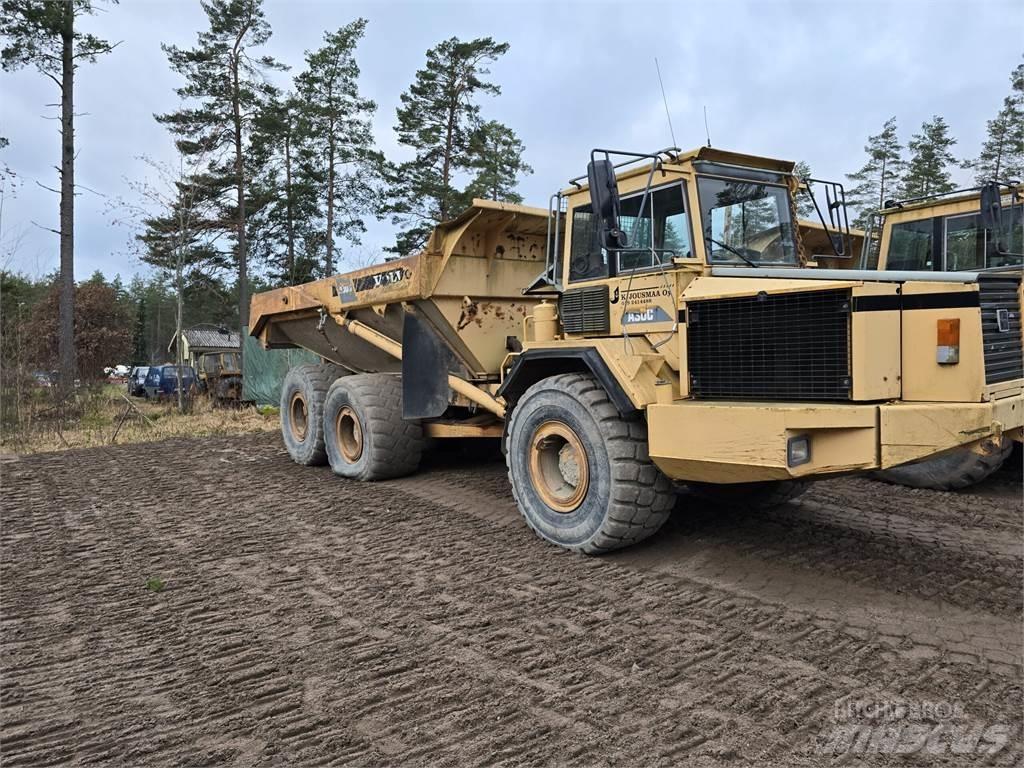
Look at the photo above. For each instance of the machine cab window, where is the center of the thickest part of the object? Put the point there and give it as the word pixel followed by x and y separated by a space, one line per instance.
pixel 955 243
pixel 746 221
pixel 657 231
pixel 911 245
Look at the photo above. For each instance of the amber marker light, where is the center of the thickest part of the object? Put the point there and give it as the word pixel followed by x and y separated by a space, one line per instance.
pixel 947 342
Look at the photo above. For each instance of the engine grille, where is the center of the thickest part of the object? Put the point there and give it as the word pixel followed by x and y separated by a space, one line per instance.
pixel 585 310
pixel 793 346
pixel 1001 328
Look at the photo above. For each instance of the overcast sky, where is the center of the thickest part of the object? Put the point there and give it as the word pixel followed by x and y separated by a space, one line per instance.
pixel 795 80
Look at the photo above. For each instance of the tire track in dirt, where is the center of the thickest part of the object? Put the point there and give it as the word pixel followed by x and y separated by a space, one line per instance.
pixel 853 554
pixel 314 621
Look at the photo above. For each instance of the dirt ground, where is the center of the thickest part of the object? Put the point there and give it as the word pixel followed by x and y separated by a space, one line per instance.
pixel 307 620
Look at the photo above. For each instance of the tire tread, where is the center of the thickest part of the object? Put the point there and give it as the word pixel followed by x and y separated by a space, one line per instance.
pixel 628 520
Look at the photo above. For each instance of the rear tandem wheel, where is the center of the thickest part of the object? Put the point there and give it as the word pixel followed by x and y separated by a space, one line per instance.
pixel 365 436
pixel 302 402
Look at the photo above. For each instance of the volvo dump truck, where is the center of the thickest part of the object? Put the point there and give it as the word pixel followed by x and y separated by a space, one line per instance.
pixel 974 230
pixel 656 325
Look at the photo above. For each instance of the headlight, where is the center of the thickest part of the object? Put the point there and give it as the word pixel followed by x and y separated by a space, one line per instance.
pixel 798 450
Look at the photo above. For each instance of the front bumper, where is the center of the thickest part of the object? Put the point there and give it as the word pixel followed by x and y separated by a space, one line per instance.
pixel 738 442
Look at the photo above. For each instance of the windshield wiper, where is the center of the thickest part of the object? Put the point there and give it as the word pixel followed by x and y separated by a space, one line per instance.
pixel 733 250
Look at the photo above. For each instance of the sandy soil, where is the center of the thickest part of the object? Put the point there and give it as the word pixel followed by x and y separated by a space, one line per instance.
pixel 308 620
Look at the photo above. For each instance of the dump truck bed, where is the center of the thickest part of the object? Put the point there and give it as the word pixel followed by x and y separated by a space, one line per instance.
pixel 463 291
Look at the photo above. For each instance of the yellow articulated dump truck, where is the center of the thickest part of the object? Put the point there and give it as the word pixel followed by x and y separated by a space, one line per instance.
pixel 660 323
pixel 977 230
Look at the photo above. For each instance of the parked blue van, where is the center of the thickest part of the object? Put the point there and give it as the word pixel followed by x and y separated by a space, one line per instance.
pixel 162 380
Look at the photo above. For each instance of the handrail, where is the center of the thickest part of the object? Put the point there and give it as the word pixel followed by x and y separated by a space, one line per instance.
pixel 636 157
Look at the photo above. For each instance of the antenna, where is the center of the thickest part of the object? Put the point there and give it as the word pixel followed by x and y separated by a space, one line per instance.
pixel 668 115
pixel 706 131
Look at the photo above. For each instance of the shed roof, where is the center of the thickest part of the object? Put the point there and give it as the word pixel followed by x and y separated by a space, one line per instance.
pixel 206 335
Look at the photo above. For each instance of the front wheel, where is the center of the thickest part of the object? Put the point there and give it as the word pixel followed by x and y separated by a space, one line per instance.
pixel 580 472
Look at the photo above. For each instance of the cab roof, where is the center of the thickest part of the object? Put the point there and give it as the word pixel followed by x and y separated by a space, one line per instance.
pixel 674 157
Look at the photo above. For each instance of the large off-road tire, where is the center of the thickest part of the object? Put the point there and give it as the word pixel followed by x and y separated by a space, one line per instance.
pixel 749 497
pixel 302 409
pixel 365 436
pixel 580 472
pixel 952 471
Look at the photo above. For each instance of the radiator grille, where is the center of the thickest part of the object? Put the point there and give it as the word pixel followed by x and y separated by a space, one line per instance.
pixel 585 310
pixel 793 346
pixel 1001 328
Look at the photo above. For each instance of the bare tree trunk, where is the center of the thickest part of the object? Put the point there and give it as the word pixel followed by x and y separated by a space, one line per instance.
pixel 330 203
pixel 155 347
pixel 289 215
pixel 66 312
pixel 999 154
pixel 177 332
pixel 446 169
pixel 881 186
pixel 243 277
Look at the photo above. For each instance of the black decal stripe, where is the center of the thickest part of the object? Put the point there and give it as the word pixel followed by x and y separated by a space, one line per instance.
pixel 955 300
pixel 876 303
pixel 942 300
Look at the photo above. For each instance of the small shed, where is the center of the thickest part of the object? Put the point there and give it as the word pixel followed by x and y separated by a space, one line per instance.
pixel 202 338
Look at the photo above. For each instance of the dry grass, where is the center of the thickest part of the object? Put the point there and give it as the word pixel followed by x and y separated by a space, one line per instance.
pixel 94 419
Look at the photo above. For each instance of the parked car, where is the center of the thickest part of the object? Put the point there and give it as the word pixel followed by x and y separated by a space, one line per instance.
pixel 117 372
pixel 137 380
pixel 162 380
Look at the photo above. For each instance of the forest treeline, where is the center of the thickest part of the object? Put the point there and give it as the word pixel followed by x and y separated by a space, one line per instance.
pixel 274 184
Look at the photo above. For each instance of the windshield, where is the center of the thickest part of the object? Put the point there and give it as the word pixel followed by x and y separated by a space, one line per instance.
pixel 746 221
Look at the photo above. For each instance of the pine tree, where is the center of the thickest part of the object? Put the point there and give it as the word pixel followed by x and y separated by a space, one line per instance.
pixel 930 158
pixel 1002 154
pixel 284 199
pixel 881 176
pixel 804 204
pixel 337 138
pixel 438 115
pixel 225 88
pixel 496 154
pixel 43 34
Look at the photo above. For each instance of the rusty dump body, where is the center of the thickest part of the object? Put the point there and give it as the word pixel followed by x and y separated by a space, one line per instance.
pixel 463 293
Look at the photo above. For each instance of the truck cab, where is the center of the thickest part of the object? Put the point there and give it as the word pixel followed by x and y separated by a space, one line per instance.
pixel 683 278
pixel 948 232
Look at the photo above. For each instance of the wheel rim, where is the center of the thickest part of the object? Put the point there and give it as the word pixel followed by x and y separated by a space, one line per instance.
pixel 298 420
pixel 349 434
pixel 558 466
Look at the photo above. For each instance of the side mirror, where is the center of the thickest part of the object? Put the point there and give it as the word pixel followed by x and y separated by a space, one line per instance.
pixel 604 196
pixel 991 207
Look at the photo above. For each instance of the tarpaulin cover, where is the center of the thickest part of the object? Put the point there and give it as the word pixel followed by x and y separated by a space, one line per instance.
pixel 264 370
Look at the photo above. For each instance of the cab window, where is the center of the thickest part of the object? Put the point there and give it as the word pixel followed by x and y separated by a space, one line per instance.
pixel 746 221
pixel 965 243
pixel 911 246
pixel 663 218
pixel 1013 226
pixel 587 261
